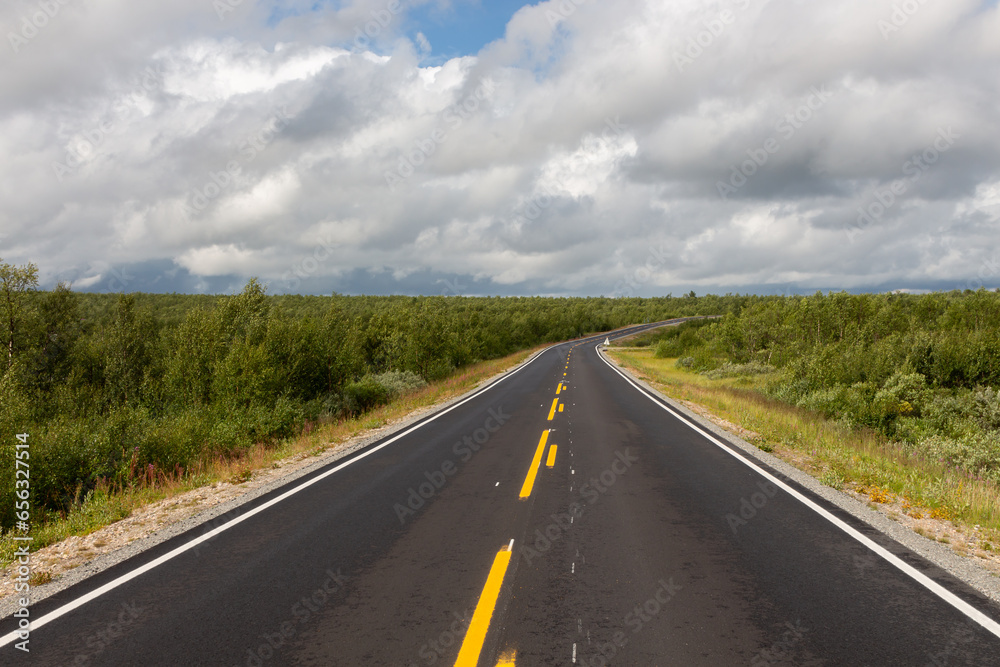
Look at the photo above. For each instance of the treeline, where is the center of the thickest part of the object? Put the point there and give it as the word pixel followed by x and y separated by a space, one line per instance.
pixel 921 369
pixel 124 388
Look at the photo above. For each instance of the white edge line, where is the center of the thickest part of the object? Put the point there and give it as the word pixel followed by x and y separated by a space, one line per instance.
pixel 958 603
pixel 115 583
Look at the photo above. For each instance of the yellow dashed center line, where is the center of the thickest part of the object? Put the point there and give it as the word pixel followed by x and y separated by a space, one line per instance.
pixel 508 659
pixel 552 410
pixel 552 457
pixel 472 645
pixel 529 481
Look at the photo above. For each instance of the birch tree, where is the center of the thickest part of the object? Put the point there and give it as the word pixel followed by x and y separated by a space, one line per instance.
pixel 15 283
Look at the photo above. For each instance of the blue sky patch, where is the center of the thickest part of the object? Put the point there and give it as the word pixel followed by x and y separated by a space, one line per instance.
pixel 464 28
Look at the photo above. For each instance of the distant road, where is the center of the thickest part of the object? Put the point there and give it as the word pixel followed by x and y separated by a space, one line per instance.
pixel 637 540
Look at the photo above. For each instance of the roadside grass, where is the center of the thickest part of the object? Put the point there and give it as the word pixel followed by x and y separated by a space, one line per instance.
pixel 840 456
pixel 104 505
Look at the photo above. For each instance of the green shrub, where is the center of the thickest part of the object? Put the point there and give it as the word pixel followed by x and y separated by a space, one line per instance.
pixel 681 340
pixel 704 360
pixel 852 403
pixel 903 393
pixel 69 456
pixel 949 412
pixel 790 390
pixel 364 394
pixel 987 408
pixel 334 405
pixel 978 453
pixel 281 421
pixel 729 370
pixel 440 369
pixel 179 439
pixel 231 431
pixel 400 382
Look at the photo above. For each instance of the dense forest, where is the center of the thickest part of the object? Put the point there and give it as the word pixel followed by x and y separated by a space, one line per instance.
pixel 923 370
pixel 121 388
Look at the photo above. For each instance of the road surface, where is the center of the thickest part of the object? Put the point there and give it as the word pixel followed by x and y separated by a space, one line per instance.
pixel 560 516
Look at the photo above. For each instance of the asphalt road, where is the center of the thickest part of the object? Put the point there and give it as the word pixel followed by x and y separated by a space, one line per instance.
pixel 644 543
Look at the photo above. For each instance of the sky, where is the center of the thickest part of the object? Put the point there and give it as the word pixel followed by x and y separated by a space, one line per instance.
pixel 465 147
